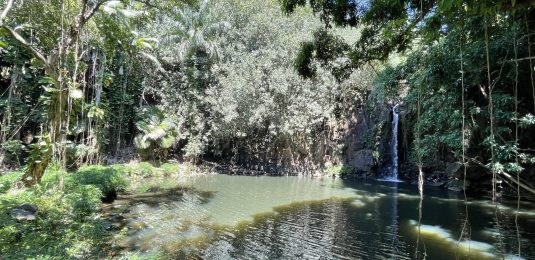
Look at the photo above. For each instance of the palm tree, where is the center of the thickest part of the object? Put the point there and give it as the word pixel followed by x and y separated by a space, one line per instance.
pixel 195 31
pixel 158 132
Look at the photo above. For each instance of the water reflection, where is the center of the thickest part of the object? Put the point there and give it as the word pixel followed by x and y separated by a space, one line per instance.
pixel 226 217
pixel 395 215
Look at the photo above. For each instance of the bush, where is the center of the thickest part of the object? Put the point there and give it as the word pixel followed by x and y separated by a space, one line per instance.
pixel 110 180
pixel 169 168
pixel 142 169
pixel 84 200
pixel 339 170
pixel 12 150
pixel 147 170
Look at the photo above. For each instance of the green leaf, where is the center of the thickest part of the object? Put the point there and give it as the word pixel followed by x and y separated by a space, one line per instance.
pixel 4 45
pixel 46 80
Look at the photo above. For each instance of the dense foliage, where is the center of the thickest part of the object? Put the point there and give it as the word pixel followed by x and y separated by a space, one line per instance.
pixel 462 69
pixel 268 85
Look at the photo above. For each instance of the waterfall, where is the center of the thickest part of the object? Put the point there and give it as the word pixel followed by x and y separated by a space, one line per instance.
pixel 395 121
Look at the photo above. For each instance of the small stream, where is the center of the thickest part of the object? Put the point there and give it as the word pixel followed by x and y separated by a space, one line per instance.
pixel 240 217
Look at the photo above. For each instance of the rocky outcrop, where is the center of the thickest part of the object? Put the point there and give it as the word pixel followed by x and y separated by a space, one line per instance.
pixel 361 160
pixel 359 153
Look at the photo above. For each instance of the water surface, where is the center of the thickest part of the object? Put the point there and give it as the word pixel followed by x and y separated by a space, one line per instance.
pixel 229 217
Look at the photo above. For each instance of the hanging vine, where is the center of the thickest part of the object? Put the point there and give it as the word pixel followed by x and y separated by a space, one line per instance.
pixel 466 223
pixel 418 149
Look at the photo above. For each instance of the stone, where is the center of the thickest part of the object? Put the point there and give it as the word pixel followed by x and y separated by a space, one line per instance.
pixel 362 160
pixel 24 212
pixel 107 225
pixel 454 169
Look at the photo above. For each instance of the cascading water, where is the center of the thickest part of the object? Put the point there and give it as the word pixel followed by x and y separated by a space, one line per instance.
pixel 395 121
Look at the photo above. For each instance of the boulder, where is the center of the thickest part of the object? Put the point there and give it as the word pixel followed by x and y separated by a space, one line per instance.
pixel 24 212
pixel 361 160
pixel 454 169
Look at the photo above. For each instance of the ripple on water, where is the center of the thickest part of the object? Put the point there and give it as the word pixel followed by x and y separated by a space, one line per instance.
pixel 469 248
pixel 236 217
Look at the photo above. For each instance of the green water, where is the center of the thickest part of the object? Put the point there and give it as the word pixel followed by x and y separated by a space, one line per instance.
pixel 229 217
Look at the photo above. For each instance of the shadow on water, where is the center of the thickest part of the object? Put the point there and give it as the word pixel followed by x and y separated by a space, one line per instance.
pixel 156 196
pixel 337 219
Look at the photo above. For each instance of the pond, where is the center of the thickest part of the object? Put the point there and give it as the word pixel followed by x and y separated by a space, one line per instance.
pixel 240 217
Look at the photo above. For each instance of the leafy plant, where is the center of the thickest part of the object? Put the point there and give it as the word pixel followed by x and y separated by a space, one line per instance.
pixel 11 150
pixel 108 180
pixel 339 170
pixel 84 200
pixel 158 132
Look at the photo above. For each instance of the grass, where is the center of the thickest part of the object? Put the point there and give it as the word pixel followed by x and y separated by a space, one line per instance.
pixel 68 223
pixel 7 180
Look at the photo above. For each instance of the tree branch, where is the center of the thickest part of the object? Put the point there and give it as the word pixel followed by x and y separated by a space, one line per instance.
pixel 5 11
pixel 26 45
pixel 93 10
pixel 504 174
pixel 36 53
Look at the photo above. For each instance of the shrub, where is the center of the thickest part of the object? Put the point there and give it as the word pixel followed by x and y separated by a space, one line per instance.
pixel 108 179
pixel 12 150
pixel 339 170
pixel 169 168
pixel 142 169
pixel 84 200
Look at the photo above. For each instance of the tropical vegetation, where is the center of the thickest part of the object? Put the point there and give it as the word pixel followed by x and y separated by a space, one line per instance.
pixel 287 86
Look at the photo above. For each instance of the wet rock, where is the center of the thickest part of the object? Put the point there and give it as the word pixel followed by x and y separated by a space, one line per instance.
pixel 24 212
pixel 437 183
pixel 139 225
pixel 116 217
pixel 107 225
pixel 113 226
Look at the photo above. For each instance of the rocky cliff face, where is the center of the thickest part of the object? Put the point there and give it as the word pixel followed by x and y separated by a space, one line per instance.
pixel 364 141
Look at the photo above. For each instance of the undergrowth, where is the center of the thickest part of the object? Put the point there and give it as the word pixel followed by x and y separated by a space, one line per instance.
pixel 68 223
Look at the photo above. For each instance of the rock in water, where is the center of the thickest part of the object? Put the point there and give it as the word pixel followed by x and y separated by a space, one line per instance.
pixel 24 212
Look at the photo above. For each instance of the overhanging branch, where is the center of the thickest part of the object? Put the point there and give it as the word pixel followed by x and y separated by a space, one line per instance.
pixel 38 55
pixel 6 10
pixel 505 175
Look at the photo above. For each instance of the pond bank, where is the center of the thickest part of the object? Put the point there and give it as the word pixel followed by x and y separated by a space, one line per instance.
pixel 178 206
